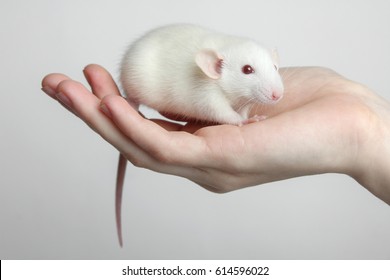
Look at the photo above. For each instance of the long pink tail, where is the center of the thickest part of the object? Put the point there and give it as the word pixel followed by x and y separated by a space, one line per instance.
pixel 120 178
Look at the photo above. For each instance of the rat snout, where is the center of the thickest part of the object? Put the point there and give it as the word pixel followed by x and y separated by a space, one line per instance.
pixel 276 95
pixel 268 94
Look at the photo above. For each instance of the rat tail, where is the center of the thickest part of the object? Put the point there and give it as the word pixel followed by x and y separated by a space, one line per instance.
pixel 120 178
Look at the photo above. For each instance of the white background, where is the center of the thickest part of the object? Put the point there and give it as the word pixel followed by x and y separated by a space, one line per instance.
pixel 57 176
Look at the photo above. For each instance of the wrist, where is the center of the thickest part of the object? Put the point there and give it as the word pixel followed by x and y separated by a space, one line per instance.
pixel 371 165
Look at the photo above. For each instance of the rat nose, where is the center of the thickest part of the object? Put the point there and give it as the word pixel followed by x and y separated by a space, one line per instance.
pixel 276 96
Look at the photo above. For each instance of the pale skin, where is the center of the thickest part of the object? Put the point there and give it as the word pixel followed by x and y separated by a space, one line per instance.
pixel 324 124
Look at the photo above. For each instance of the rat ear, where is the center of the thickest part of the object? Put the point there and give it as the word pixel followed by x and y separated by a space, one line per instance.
pixel 275 56
pixel 210 62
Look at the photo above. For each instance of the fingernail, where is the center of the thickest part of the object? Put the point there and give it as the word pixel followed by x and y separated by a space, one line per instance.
pixel 64 100
pixel 105 110
pixel 49 92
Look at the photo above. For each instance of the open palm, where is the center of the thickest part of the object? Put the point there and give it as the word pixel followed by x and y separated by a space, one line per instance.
pixel 325 123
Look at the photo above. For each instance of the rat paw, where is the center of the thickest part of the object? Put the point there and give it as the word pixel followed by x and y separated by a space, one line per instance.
pixel 254 119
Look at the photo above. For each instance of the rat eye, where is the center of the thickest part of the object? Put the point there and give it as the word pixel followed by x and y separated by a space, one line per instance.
pixel 276 67
pixel 247 69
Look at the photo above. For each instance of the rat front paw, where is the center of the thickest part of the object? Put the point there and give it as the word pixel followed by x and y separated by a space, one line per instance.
pixel 254 119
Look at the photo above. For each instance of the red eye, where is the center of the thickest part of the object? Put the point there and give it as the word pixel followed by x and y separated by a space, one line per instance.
pixel 247 69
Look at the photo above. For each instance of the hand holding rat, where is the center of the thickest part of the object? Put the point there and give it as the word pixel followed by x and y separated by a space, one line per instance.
pixel 325 123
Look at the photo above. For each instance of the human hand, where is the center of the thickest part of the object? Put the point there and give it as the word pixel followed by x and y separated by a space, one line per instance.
pixel 325 123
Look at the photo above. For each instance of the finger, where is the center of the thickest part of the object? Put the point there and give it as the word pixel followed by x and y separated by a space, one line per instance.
pixel 50 86
pixel 101 81
pixel 154 139
pixel 87 107
pixel 50 83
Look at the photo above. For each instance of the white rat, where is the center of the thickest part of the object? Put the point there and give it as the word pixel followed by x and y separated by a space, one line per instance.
pixel 190 71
